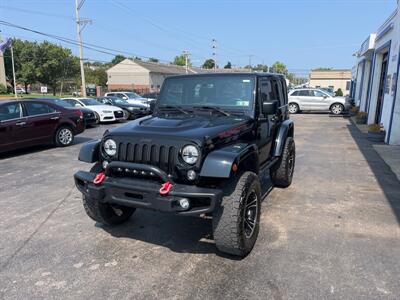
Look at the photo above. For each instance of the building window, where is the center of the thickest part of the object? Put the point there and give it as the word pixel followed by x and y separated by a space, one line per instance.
pixel 348 86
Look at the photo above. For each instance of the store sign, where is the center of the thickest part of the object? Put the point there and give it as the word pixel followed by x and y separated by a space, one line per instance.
pixel 43 89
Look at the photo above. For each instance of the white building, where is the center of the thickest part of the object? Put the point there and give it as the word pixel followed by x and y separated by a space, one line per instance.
pixel 375 85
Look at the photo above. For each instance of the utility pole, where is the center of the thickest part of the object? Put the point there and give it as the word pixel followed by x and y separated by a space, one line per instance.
pixel 186 54
pixel 215 53
pixel 79 22
pixel 250 57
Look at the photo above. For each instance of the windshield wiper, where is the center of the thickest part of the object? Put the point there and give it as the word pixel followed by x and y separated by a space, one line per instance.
pixel 214 108
pixel 173 107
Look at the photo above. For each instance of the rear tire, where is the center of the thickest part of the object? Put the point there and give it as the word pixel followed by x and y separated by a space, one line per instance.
pixel 105 213
pixel 236 221
pixel 282 173
pixel 64 136
pixel 293 108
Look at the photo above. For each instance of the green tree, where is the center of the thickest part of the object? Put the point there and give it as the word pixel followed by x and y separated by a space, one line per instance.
pixel 26 55
pixel 279 67
pixel 228 65
pixel 96 75
pixel 208 64
pixel 117 59
pixel 155 60
pixel 339 92
pixel 3 89
pixel 260 68
pixel 55 64
pixel 180 60
pixel 322 69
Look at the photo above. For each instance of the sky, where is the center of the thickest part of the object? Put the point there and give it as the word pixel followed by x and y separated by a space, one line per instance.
pixel 303 34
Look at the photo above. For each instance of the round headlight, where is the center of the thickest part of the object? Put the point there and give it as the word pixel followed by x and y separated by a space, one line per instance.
pixel 110 147
pixel 190 154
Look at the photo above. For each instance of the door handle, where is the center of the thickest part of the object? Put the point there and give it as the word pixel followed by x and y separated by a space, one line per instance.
pixel 54 118
pixel 20 123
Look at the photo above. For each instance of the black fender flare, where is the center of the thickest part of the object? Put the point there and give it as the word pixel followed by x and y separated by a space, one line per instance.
pixel 286 129
pixel 90 152
pixel 219 163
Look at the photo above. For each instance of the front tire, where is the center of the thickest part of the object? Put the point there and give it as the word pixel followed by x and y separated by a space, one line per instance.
pixel 64 136
pixel 236 221
pixel 105 213
pixel 293 108
pixel 282 174
pixel 337 108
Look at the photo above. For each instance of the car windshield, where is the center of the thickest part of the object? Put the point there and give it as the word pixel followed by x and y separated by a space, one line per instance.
pixel 89 101
pixel 228 92
pixel 63 103
pixel 132 95
pixel 117 101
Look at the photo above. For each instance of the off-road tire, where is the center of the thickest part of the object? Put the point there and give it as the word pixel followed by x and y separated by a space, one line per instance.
pixel 282 173
pixel 104 212
pixel 64 136
pixel 229 218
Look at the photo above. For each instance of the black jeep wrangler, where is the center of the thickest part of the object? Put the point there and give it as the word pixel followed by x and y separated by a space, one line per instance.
pixel 204 151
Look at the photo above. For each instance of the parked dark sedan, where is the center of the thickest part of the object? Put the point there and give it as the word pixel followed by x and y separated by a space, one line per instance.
pixel 27 123
pixel 131 111
pixel 89 117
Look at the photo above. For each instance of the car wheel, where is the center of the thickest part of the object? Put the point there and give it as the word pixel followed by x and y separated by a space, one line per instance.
pixel 105 213
pixel 337 108
pixel 127 115
pixel 64 136
pixel 97 117
pixel 293 108
pixel 236 220
pixel 282 173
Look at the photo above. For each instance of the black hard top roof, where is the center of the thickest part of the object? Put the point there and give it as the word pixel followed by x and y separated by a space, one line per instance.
pixel 221 74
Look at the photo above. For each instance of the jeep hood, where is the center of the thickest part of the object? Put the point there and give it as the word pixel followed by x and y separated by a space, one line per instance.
pixel 194 128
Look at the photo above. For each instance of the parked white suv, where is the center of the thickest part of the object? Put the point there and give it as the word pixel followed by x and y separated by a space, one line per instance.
pixel 315 100
pixel 130 97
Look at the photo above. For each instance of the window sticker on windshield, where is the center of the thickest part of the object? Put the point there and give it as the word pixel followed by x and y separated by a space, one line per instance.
pixel 246 80
pixel 242 103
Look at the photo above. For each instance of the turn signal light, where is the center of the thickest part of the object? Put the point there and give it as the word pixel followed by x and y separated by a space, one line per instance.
pixel 234 167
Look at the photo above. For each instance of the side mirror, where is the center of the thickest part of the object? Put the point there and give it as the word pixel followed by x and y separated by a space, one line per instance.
pixel 325 96
pixel 125 98
pixel 270 107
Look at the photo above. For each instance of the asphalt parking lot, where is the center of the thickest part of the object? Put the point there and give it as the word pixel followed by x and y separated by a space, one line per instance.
pixel 333 234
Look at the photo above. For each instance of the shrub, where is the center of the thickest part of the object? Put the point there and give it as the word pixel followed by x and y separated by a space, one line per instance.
pixel 355 109
pixel 361 115
pixel 339 92
pixel 375 128
pixel 3 89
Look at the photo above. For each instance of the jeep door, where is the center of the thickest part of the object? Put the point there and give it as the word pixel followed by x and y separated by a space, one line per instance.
pixel 270 89
pixel 12 126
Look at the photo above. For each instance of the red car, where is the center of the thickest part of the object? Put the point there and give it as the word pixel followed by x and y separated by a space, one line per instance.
pixel 27 123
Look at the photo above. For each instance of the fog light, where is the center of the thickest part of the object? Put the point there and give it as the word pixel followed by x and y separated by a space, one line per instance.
pixel 105 164
pixel 191 175
pixel 184 203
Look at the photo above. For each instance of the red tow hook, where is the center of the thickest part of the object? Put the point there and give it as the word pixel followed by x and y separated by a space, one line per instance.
pixel 165 188
pixel 100 177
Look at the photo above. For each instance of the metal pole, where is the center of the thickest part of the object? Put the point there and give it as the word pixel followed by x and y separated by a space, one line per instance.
pixel 13 69
pixel 215 53
pixel 186 53
pixel 78 31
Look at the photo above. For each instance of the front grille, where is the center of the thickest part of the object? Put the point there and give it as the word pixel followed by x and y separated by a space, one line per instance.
pixel 162 156
pixel 118 114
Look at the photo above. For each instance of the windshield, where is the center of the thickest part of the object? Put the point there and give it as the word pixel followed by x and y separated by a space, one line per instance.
pixel 235 92
pixel 63 103
pixel 89 101
pixel 132 95
pixel 118 101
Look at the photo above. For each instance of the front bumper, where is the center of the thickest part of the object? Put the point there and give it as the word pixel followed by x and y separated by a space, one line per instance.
pixel 144 193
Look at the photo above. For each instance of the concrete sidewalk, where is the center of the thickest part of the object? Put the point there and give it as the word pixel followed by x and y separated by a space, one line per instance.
pixel 390 154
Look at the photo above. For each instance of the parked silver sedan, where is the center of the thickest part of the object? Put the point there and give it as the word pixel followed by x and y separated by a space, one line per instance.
pixel 315 100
